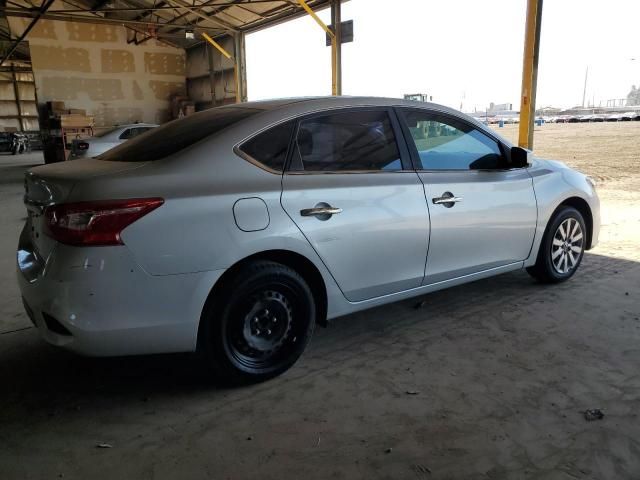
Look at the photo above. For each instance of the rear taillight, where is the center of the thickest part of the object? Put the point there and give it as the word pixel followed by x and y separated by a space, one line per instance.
pixel 96 223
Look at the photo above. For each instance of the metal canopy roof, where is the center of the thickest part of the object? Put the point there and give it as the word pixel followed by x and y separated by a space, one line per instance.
pixel 167 20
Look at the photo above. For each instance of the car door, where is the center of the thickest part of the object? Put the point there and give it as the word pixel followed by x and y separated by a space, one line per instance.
pixel 351 190
pixel 483 213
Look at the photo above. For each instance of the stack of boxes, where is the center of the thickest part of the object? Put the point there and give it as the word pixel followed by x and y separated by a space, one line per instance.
pixel 181 106
pixel 60 127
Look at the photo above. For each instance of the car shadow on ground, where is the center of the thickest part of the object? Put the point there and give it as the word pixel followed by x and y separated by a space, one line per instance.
pixel 39 378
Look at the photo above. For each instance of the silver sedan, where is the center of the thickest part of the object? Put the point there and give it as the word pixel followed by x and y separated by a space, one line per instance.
pixel 234 231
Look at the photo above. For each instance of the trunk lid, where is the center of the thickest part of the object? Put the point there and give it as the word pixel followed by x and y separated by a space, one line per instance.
pixel 52 184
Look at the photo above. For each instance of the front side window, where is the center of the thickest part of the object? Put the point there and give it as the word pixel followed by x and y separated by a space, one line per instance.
pixel 270 147
pixel 133 132
pixel 446 143
pixel 127 134
pixel 346 141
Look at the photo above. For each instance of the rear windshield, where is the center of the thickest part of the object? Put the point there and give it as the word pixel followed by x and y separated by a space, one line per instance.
pixel 176 135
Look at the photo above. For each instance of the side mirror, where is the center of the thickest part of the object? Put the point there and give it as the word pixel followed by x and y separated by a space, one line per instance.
pixel 519 157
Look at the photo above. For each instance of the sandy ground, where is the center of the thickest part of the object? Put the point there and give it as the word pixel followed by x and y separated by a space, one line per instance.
pixel 485 381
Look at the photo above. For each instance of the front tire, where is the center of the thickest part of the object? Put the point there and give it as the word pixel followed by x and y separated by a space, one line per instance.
pixel 258 325
pixel 562 247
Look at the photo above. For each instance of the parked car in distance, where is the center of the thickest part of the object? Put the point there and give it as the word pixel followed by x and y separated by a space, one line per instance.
pixel 108 139
pixel 234 231
pixel 14 142
pixel 628 116
pixel 591 118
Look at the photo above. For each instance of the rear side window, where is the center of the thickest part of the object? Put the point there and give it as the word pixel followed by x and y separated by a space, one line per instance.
pixel 174 136
pixel 347 141
pixel 270 147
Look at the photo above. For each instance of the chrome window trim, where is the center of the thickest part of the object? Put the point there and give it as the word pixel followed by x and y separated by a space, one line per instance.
pixel 253 161
pixel 349 172
pixel 477 170
pixel 432 109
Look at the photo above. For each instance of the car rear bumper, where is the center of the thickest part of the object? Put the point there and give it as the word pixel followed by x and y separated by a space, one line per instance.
pixel 98 301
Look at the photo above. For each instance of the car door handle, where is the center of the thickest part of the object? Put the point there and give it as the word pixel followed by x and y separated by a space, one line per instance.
pixel 447 199
pixel 320 211
pixel 440 200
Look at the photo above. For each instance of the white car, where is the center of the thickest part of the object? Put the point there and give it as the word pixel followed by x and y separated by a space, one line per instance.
pixel 103 141
pixel 233 231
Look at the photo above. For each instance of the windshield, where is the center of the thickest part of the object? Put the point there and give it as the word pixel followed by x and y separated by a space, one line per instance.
pixel 174 136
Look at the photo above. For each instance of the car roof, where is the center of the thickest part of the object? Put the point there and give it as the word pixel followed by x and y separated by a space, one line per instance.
pixel 275 109
pixel 337 101
pixel 129 125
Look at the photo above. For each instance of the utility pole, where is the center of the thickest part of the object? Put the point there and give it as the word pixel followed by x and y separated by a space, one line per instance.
pixel 584 92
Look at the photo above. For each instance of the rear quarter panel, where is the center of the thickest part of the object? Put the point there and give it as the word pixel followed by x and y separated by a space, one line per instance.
pixel 195 229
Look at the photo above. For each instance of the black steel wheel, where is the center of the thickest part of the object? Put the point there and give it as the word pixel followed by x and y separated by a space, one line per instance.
pixel 259 324
pixel 562 247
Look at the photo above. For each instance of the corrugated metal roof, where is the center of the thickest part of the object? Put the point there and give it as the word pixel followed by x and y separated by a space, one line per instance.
pixel 169 19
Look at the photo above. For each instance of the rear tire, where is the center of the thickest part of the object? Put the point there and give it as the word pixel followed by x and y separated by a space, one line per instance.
pixel 258 325
pixel 562 247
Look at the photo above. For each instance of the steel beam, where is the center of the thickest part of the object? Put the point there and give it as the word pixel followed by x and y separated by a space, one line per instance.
pixel 212 73
pixel 194 10
pixel 530 73
pixel 39 14
pixel 99 19
pixel 241 67
pixel 334 45
pixel 284 16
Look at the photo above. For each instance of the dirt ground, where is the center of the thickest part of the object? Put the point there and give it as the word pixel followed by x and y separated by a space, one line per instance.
pixel 484 381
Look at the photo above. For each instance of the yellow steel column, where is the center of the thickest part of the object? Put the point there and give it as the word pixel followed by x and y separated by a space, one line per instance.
pixel 334 46
pixel 530 73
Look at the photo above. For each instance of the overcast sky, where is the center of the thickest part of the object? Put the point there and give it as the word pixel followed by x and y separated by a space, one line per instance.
pixel 465 52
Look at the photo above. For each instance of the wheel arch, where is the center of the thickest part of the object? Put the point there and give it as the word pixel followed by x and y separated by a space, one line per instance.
pixel 585 210
pixel 301 264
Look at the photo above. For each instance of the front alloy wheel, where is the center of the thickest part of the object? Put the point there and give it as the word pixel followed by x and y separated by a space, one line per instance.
pixel 567 246
pixel 562 247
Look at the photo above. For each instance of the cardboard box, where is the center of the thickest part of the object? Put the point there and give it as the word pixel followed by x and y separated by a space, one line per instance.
pixel 54 106
pixel 75 121
pixel 189 110
pixel 77 111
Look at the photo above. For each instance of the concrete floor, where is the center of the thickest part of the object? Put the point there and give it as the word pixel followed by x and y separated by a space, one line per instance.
pixel 487 380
